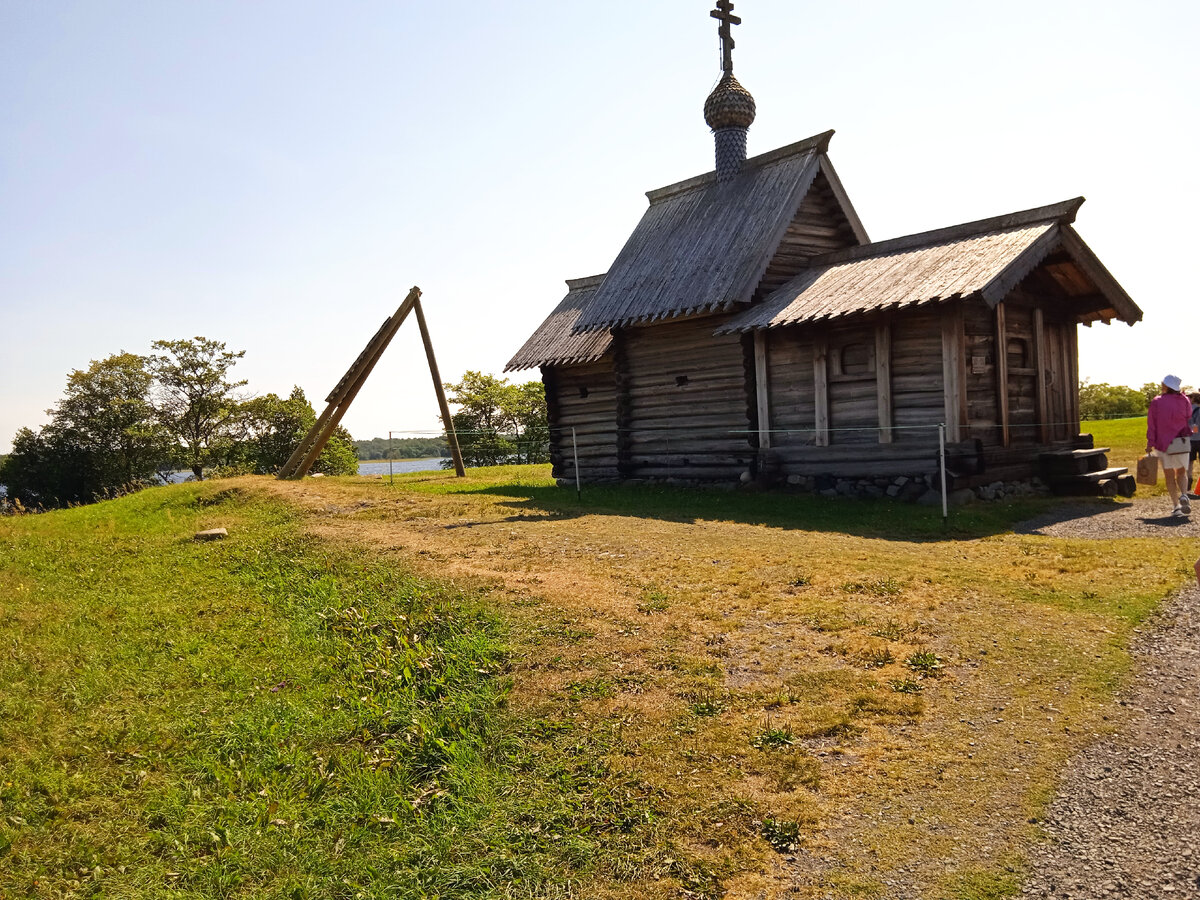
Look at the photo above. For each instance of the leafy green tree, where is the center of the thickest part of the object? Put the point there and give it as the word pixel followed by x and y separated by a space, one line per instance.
pixel 482 419
pixel 197 400
pixel 1109 401
pixel 498 422
pixel 526 406
pixel 103 438
pixel 402 448
pixel 1150 390
pixel 271 429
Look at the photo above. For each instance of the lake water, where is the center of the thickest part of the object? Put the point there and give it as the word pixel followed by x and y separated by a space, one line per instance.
pixel 380 467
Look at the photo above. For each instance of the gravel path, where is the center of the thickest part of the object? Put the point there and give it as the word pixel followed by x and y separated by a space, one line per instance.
pixel 1099 520
pixel 1127 819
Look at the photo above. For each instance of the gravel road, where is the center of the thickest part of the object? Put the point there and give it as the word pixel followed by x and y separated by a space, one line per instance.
pixel 1126 822
pixel 1098 520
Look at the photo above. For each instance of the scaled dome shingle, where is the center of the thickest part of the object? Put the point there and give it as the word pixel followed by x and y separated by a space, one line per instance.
pixel 729 105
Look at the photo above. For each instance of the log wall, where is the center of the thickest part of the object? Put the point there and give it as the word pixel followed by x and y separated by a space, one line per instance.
pixel 1021 353
pixel 689 401
pixel 918 397
pixel 983 412
pixel 675 401
pixel 583 397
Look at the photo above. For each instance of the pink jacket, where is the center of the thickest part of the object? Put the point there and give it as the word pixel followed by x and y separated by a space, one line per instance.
pixel 1167 420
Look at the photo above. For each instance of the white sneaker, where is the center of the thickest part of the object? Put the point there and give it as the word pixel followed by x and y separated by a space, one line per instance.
pixel 1185 505
pixel 1177 511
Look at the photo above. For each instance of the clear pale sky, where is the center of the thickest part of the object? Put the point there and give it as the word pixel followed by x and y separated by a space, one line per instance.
pixel 276 175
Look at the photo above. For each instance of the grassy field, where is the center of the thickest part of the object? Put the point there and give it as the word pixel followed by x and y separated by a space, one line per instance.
pixel 488 687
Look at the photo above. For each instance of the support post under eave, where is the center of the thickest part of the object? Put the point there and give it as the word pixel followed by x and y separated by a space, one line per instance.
pixel 761 392
pixel 447 419
pixel 883 380
pixel 953 371
pixel 1039 360
pixel 1002 373
pixel 821 389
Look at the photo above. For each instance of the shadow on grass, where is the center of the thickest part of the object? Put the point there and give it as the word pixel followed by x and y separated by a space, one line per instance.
pixel 879 519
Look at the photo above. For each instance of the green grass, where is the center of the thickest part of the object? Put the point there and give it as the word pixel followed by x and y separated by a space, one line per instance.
pixel 531 492
pixel 270 716
pixel 1125 437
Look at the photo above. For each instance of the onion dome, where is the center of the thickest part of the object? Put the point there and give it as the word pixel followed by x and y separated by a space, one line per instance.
pixel 729 105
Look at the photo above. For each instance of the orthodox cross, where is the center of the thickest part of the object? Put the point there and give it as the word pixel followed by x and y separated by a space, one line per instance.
pixel 724 12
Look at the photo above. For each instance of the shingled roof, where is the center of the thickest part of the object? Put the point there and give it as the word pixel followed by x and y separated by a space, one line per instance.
pixel 703 246
pixel 986 258
pixel 555 343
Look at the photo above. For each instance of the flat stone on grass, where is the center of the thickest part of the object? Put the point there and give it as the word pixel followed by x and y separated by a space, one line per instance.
pixel 212 534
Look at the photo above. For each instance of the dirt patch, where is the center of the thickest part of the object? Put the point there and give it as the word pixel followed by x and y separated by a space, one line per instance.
pixel 759 677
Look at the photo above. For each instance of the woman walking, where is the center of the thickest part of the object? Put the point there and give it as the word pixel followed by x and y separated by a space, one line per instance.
pixel 1168 434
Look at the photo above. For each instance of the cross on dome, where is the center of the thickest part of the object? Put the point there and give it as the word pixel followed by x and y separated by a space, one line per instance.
pixel 724 12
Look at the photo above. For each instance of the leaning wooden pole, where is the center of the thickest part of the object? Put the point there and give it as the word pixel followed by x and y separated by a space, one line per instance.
pixel 447 419
pixel 339 400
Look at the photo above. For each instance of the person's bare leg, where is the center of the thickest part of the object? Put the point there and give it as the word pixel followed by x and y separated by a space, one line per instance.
pixel 1197 569
pixel 1171 477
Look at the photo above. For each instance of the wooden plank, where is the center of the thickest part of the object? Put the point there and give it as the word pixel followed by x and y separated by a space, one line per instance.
pixel 1039 359
pixel 821 388
pixel 347 389
pixel 1072 333
pixel 761 393
pixel 883 381
pixel 952 373
pixel 1001 373
pixel 443 406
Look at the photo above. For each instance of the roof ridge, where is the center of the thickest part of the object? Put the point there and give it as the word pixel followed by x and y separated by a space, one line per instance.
pixel 575 284
pixel 818 142
pixel 1062 213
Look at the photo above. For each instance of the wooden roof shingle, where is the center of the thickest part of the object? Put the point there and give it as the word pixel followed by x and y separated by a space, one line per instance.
pixel 703 246
pixel 555 343
pixel 989 258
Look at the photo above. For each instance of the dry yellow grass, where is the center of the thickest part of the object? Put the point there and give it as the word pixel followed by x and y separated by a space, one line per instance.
pixel 751 671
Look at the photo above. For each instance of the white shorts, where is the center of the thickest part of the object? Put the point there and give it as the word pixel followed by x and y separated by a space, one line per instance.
pixel 1176 454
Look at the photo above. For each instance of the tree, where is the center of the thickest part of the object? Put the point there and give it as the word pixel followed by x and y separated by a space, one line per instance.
pixel 498 422
pixel 482 418
pixel 526 407
pixel 1109 401
pixel 107 413
pixel 103 438
pixel 274 427
pixel 197 401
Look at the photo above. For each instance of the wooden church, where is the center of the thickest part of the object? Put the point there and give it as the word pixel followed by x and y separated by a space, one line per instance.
pixel 750 328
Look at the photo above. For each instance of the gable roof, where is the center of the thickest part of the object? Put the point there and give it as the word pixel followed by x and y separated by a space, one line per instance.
pixel 988 258
pixel 555 343
pixel 702 246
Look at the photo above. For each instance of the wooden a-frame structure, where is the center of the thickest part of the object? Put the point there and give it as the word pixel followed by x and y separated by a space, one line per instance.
pixel 339 400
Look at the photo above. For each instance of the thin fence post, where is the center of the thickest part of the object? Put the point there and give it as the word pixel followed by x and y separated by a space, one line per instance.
pixel 942 466
pixel 391 474
pixel 575 454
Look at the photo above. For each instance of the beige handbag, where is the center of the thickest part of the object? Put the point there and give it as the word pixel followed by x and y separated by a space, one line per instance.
pixel 1147 470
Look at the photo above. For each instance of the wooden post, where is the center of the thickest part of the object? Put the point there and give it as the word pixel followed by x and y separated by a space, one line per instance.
pixel 883 380
pixel 1002 373
pixel 447 419
pixel 953 375
pixel 1071 333
pixel 760 389
pixel 1039 362
pixel 821 388
pixel 344 393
